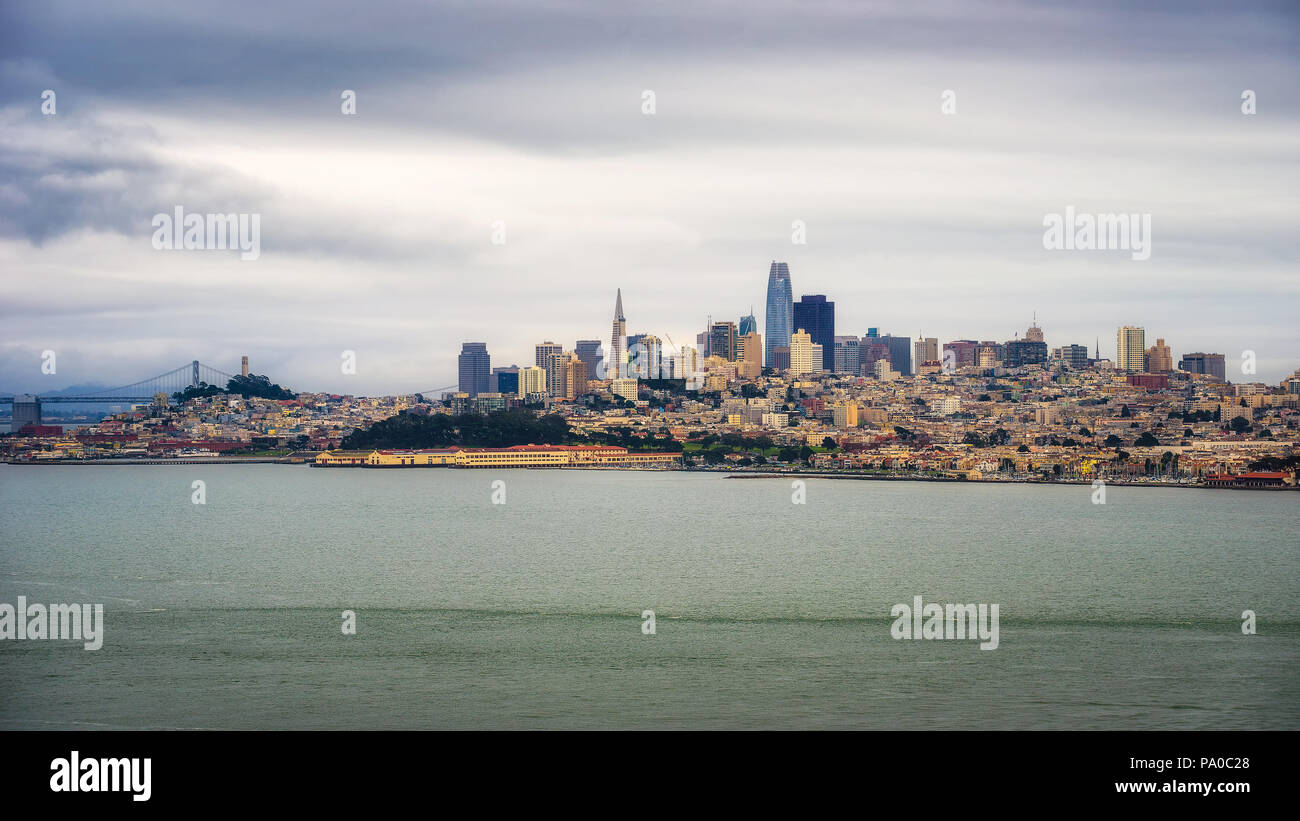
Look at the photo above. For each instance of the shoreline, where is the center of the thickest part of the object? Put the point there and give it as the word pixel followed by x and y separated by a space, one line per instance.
pixel 1076 483
pixel 728 474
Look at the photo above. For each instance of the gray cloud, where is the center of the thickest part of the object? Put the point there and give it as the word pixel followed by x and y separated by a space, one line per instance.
pixel 376 228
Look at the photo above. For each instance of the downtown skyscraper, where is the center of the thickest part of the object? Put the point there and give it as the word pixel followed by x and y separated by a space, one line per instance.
pixel 780 311
pixel 475 367
pixel 748 324
pixel 618 341
pixel 814 314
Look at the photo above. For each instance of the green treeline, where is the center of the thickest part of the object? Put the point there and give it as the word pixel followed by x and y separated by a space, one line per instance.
pixel 256 385
pixel 499 429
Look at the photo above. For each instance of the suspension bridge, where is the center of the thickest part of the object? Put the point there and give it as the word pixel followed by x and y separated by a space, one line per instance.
pixel 174 381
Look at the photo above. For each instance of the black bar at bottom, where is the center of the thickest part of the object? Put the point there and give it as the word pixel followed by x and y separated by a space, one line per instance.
pixel 304 769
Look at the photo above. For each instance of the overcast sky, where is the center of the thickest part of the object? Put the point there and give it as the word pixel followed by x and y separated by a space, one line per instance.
pixel 376 229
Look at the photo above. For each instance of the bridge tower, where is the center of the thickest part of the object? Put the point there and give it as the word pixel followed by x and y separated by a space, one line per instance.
pixel 194 380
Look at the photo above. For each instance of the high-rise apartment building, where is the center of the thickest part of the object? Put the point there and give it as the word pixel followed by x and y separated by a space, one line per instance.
pixel 544 356
pixel 749 348
pixel 1130 349
pixel 780 358
pixel 926 349
pixel 646 357
pixel 1021 352
pixel 532 381
pixel 1075 357
pixel 846 355
pixel 801 353
pixel 722 340
pixel 475 366
pixel 871 349
pixel 544 352
pixel 816 316
pixel 1158 358
pixel 780 310
pixel 965 352
pixel 1210 364
pixel 570 377
pixel 749 356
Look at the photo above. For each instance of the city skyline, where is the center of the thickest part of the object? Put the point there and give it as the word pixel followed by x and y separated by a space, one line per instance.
pixel 474 357
pixel 379 229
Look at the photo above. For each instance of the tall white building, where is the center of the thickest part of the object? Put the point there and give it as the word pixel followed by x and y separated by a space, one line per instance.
pixel 801 353
pixel 1130 349
pixel 532 380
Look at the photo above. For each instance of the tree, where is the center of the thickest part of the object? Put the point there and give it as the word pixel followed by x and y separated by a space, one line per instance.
pixel 1113 441
pixel 196 391
pixel 829 443
pixel 1124 412
pixel 1022 449
pixel 440 430
pixel 1146 440
pixel 257 385
pixel 975 440
pixel 1239 424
